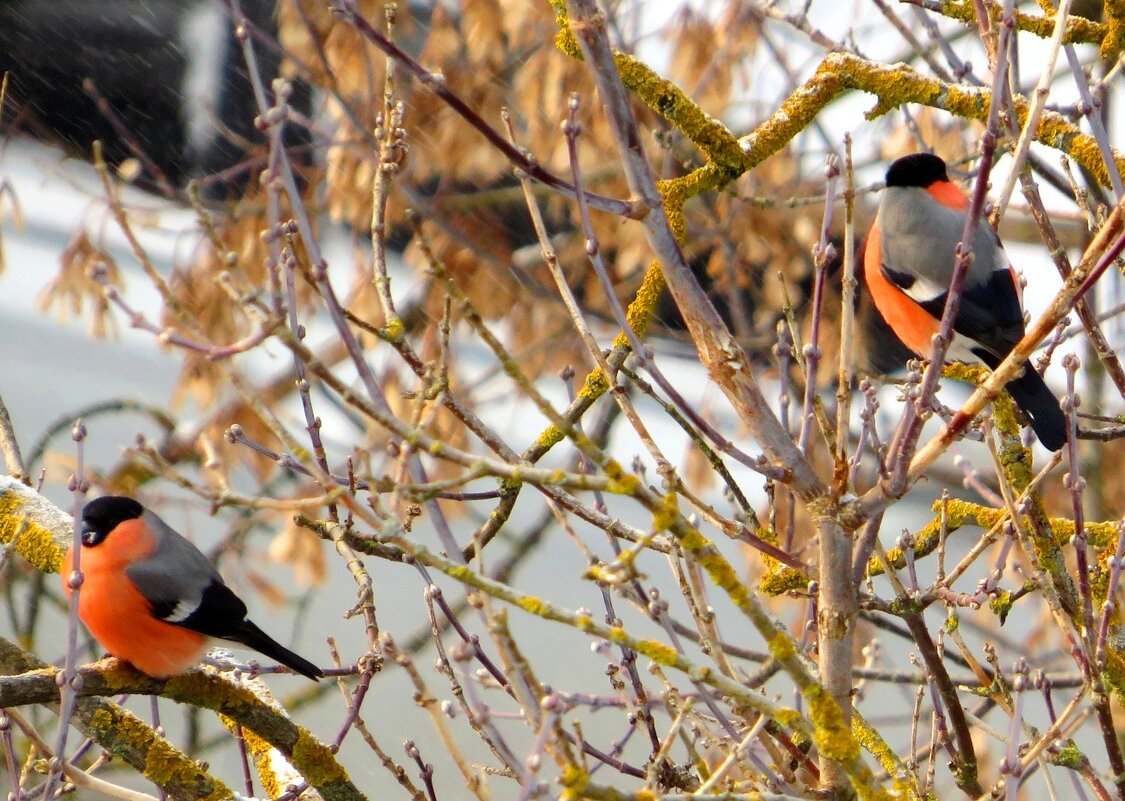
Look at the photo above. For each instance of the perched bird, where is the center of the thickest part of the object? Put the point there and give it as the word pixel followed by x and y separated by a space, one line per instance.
pixel 152 599
pixel 908 264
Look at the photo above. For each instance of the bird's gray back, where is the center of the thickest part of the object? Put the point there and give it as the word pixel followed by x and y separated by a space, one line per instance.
pixel 175 573
pixel 919 236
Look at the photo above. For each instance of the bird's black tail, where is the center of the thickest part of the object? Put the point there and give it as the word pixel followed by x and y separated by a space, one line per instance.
pixel 253 637
pixel 1041 406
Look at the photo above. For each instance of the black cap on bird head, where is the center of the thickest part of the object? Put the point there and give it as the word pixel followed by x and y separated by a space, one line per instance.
pixel 102 515
pixel 917 169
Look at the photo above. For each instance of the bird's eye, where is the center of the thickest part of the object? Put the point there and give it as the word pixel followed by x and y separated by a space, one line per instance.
pixel 91 536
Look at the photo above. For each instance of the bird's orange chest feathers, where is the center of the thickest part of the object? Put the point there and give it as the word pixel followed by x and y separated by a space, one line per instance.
pixel 913 324
pixel 104 584
pixel 103 565
pixel 949 195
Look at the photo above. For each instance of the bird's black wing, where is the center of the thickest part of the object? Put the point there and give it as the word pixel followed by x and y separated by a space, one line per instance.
pixel 989 314
pixel 219 613
pixel 222 614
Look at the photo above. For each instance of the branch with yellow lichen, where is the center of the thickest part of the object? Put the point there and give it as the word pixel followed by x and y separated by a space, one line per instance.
pixel 32 526
pixel 115 729
pixel 35 683
pixel 825 724
pixel 1079 30
pixel 958 513
pixel 729 157
pixel 275 771
pixel 1114 39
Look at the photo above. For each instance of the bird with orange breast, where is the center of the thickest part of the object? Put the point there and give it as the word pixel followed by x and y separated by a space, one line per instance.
pixel 908 265
pixel 152 599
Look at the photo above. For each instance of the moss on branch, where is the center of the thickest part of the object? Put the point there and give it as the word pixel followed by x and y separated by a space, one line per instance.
pixel 124 735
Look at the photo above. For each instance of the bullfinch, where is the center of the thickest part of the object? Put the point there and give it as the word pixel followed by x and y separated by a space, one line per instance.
pixel 152 599
pixel 908 265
